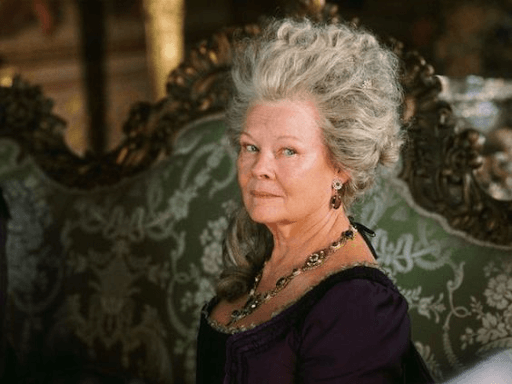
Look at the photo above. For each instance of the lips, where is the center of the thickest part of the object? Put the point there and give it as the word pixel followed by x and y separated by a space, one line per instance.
pixel 263 194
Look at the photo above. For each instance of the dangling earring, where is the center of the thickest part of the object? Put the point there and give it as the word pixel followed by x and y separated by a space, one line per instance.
pixel 336 198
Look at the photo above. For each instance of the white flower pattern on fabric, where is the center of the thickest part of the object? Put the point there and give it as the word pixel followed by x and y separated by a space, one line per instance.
pixel 425 305
pixel 211 240
pixel 493 329
pixel 507 319
pixel 499 291
pixel 495 320
pixel 179 202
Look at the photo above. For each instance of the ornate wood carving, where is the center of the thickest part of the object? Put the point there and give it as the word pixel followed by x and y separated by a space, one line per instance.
pixel 438 161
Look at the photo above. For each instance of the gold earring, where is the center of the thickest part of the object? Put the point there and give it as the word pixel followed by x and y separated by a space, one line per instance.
pixel 336 198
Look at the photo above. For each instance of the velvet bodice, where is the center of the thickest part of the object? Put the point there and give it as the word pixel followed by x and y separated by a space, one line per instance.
pixel 353 327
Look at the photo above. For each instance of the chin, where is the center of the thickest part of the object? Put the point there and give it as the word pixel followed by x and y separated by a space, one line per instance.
pixel 264 215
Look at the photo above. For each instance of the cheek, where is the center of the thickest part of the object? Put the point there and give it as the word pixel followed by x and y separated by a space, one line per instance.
pixel 315 180
pixel 242 173
pixel 312 173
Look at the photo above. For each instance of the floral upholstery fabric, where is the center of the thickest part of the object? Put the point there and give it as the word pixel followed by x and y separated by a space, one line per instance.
pixel 459 293
pixel 113 280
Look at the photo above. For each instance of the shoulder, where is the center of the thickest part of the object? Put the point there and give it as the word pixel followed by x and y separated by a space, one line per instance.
pixel 359 287
pixel 362 297
pixel 358 324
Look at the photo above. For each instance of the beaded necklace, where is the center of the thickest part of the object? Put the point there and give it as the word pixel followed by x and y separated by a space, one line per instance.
pixel 313 261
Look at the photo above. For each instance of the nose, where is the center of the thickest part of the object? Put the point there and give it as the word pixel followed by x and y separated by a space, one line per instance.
pixel 263 166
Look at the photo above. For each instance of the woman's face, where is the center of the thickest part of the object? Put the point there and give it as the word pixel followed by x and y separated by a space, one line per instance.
pixel 284 169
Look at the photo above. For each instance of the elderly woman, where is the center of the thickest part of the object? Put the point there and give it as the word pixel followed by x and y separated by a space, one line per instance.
pixel 301 298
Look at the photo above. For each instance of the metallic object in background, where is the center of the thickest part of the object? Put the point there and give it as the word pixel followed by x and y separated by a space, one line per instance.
pixel 442 158
pixel 6 75
pixel 486 105
pixel 164 40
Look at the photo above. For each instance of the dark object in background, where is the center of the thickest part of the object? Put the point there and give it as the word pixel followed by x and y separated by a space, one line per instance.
pixel 93 35
pixel 4 217
pixel 16 16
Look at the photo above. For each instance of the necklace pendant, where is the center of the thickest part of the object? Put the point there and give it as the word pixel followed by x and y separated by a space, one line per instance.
pixel 254 301
pixel 281 282
pixel 314 260
pixel 235 316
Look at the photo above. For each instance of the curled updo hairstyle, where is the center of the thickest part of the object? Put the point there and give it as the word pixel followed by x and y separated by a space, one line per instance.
pixel 353 82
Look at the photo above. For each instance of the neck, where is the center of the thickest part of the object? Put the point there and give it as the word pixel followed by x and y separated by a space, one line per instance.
pixel 294 239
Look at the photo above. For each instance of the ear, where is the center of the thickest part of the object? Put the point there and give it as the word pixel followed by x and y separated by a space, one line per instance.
pixel 343 175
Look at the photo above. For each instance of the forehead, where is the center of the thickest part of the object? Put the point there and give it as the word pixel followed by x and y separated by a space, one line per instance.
pixel 297 118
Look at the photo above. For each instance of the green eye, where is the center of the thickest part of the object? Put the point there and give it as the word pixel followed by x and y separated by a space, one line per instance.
pixel 289 152
pixel 250 148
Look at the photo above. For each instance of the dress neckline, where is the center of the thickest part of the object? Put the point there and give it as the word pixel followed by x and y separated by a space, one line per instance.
pixel 221 328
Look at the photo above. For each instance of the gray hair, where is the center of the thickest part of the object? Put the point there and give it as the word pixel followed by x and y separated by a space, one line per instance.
pixel 352 80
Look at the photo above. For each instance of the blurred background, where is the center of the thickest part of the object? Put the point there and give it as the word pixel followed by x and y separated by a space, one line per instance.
pixel 95 58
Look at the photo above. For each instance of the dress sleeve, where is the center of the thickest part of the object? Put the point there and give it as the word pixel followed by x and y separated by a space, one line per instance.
pixel 358 332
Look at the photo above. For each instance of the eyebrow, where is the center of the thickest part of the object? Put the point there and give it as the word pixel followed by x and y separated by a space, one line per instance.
pixel 289 137
pixel 279 137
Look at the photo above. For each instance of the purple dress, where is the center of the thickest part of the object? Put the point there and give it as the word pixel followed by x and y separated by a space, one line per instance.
pixel 351 328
